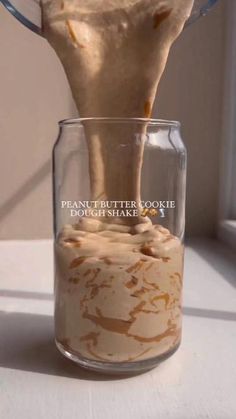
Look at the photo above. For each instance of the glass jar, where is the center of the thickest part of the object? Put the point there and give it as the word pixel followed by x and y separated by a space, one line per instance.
pixel 119 216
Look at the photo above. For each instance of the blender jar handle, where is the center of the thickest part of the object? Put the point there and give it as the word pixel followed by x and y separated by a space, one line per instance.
pixel 28 12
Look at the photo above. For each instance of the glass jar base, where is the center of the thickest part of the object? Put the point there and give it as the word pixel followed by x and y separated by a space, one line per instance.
pixel 121 368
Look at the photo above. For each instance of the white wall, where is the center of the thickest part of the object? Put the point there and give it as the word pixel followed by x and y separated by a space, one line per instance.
pixel 34 95
pixel 191 91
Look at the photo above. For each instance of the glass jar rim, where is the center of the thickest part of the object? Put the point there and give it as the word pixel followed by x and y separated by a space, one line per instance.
pixel 150 121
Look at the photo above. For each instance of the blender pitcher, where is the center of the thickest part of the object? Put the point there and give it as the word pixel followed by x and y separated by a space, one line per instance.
pixel 28 12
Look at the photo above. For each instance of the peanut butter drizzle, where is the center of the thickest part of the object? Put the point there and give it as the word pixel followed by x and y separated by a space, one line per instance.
pixel 72 35
pixel 136 267
pixel 83 301
pixel 150 311
pixel 152 284
pixel 106 260
pixel 171 331
pixel 165 297
pixel 132 283
pixel 173 303
pixel 94 291
pixel 92 336
pixel 77 262
pixel 96 288
pixel 73 242
pixel 95 274
pixel 160 17
pixel 165 259
pixel 147 250
pixel 87 272
pixel 94 354
pixel 136 310
pixel 108 323
pixel 74 279
pixel 121 326
pixel 140 309
pixel 62 5
pixel 132 358
pixel 140 292
pixel 113 324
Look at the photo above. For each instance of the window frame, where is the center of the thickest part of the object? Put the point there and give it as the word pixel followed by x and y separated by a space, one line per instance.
pixel 227 201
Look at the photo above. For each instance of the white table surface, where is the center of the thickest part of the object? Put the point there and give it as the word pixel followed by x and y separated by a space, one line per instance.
pixel 36 382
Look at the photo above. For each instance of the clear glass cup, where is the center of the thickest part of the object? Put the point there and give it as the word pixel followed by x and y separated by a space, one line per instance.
pixel 119 217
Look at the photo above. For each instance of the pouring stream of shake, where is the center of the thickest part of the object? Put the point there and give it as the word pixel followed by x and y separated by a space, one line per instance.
pixel 114 53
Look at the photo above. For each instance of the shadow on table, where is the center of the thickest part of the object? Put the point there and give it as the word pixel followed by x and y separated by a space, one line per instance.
pixel 27 344
pixel 217 255
pixel 210 314
pixel 25 295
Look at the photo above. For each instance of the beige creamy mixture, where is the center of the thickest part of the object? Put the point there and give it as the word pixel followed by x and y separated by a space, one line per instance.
pixel 118 286
pixel 118 294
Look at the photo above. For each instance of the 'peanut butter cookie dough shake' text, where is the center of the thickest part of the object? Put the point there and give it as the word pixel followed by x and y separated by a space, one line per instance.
pixel 118 279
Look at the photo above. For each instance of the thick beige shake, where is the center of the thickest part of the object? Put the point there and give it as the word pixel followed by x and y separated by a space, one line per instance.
pixel 118 285
pixel 118 294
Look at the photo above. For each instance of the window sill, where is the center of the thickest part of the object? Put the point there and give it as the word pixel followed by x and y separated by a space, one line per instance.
pixel 199 381
pixel 227 232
